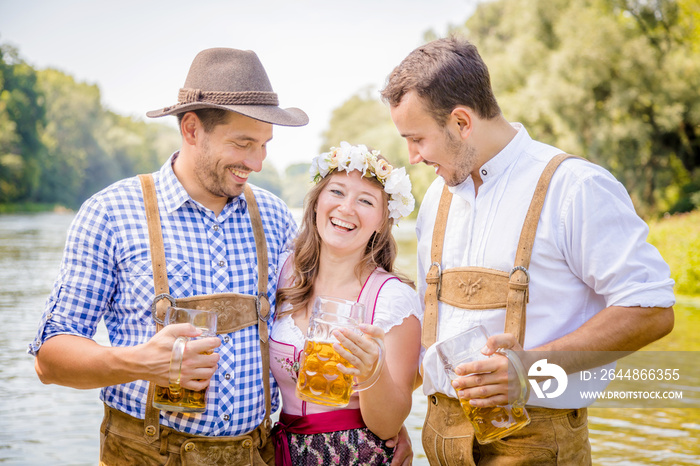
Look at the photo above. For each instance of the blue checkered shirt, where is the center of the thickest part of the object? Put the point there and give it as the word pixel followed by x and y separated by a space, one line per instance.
pixel 106 274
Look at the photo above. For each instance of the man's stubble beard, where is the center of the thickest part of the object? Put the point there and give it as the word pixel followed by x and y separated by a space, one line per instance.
pixel 464 155
pixel 208 177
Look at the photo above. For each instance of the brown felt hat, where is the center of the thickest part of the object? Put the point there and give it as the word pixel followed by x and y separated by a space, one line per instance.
pixel 233 80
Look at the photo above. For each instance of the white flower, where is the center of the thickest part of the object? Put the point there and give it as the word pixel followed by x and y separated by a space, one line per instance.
pixel 357 159
pixel 398 182
pixel 319 166
pixel 398 186
pixel 401 206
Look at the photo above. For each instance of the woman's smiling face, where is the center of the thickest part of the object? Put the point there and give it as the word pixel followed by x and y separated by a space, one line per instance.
pixel 349 209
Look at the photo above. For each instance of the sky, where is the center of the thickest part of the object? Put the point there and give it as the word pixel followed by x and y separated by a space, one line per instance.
pixel 317 53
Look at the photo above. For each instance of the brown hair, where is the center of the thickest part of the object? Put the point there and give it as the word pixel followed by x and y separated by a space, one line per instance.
pixel 381 249
pixel 210 117
pixel 445 73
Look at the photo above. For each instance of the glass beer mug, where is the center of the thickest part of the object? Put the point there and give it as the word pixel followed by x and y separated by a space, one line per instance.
pixel 319 379
pixel 174 397
pixel 493 423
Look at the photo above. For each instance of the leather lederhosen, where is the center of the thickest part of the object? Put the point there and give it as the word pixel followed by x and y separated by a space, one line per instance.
pixel 234 312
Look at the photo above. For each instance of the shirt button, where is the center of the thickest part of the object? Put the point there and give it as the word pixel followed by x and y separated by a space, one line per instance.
pixel 216 227
pixel 484 172
pixel 222 263
pixel 226 417
pixel 227 376
pixel 226 339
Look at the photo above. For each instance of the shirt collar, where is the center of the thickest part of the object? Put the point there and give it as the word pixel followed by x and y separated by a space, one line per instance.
pixel 497 164
pixel 509 154
pixel 173 194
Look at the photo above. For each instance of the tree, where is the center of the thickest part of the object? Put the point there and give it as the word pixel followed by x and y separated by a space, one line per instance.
pixel 21 121
pixel 89 147
pixel 76 165
pixel 613 80
pixel 59 145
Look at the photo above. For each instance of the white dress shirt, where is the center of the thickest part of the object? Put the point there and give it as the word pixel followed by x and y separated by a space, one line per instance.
pixel 590 251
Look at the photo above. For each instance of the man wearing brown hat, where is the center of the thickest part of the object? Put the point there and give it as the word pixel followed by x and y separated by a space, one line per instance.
pixel 194 235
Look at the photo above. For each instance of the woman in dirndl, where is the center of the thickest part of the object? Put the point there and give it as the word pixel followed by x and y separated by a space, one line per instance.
pixel 345 249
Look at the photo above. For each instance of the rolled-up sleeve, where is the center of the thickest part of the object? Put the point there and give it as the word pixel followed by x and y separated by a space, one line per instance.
pixel 607 246
pixel 86 280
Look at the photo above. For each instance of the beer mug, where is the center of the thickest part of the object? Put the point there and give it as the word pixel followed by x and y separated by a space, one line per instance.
pixel 319 379
pixel 174 397
pixel 493 423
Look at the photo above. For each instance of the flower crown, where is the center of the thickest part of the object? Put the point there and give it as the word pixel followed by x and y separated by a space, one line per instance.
pixel 348 157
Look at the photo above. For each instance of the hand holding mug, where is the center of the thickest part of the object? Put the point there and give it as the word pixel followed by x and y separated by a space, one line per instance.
pixel 492 381
pixel 362 351
pixel 477 373
pixel 190 369
pixel 194 359
pixel 158 351
pixel 325 376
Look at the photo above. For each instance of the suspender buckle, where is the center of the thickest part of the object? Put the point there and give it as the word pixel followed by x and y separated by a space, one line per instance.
pixel 259 307
pixel 435 278
pixel 155 301
pixel 522 269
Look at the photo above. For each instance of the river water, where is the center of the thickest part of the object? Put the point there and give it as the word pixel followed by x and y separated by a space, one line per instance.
pixel 53 425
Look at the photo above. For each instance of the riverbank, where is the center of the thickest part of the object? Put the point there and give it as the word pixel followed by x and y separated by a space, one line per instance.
pixel 32 208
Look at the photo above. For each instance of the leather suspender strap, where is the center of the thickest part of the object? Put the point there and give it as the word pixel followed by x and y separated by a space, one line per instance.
pixel 155 236
pixel 163 298
pixel 519 277
pixel 432 278
pixel 263 305
pixel 160 283
pixel 518 285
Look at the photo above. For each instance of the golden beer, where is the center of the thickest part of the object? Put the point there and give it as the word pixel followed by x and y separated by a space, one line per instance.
pixel 184 401
pixel 496 422
pixel 319 380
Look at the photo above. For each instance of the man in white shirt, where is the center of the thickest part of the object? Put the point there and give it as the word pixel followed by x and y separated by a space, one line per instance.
pixel 589 281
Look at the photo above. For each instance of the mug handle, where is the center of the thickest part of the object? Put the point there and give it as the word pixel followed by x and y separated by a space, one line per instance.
pixel 176 364
pixel 372 379
pixel 514 359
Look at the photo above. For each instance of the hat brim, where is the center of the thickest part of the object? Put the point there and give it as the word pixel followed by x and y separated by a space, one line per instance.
pixel 266 113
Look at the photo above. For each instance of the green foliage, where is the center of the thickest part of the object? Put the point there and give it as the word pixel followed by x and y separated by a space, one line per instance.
pixel 21 123
pixel 75 159
pixel 296 184
pixel 58 145
pixel 677 239
pixel 29 207
pixel 268 178
pixel 613 80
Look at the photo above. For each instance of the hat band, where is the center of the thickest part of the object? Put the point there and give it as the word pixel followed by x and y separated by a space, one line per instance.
pixel 186 96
